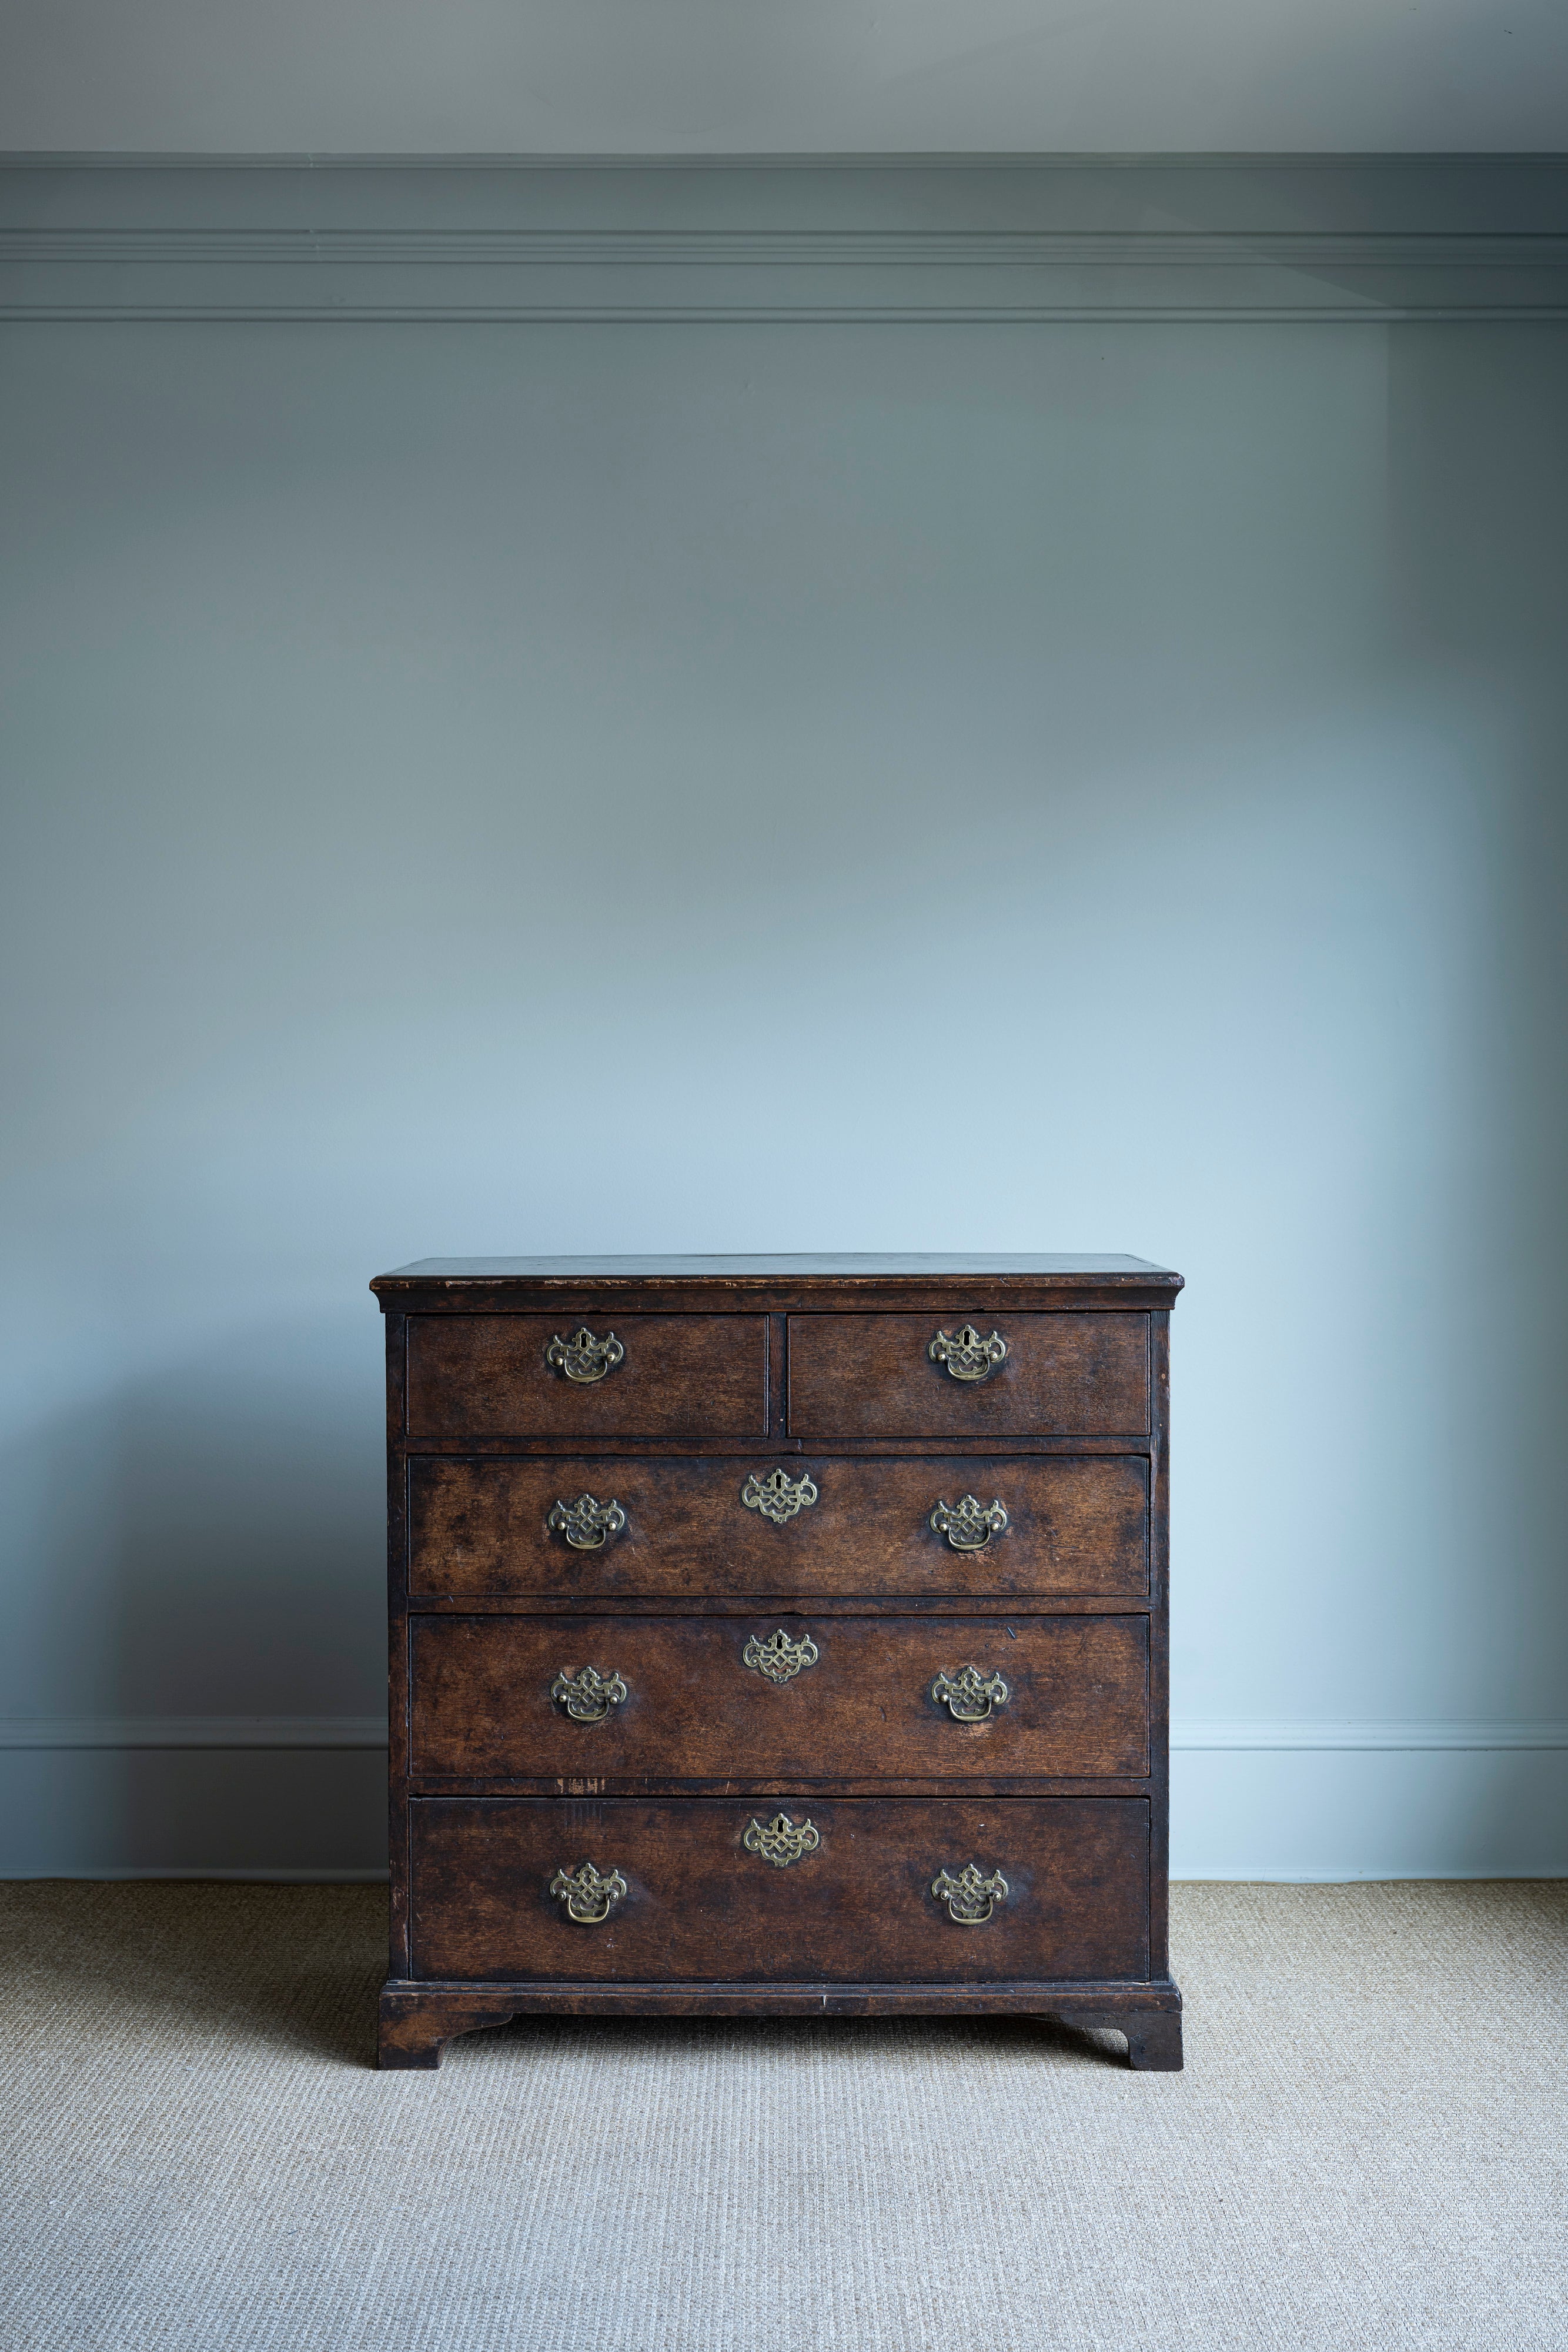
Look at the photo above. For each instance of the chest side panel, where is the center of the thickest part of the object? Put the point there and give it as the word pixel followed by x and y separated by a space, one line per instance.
pixel 846 1699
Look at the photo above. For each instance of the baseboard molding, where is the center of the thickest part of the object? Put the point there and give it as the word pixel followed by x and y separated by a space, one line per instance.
pixel 1219 1876
pixel 1393 1875
pixel 992 240
pixel 368 1731
pixel 116 1875
pixel 1397 1736
pixel 295 1798
pixel 1452 1809
pixel 300 1731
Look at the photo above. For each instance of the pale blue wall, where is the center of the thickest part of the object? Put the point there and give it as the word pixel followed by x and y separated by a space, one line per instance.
pixel 620 787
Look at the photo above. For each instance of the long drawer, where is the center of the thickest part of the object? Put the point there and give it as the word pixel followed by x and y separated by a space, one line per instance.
pixel 968 1376
pixel 684 1701
pixel 596 1526
pixel 555 1376
pixel 847 1890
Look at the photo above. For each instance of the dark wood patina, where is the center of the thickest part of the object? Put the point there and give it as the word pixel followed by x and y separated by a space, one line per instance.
pixel 698 1707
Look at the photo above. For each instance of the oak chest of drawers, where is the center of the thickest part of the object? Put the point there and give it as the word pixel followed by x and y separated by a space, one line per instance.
pixel 778 1634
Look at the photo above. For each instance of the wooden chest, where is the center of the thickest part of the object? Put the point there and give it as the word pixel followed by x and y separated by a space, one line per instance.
pixel 778 1634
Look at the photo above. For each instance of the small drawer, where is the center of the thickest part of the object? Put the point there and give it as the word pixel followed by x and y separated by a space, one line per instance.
pixel 846 1890
pixel 781 1701
pixel 928 1527
pixel 969 1374
pixel 565 1376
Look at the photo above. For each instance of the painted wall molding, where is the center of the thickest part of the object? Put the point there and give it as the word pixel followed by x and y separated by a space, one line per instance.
pixel 299 1731
pixel 368 1731
pixel 303 1797
pixel 1365 1737
pixel 995 242
pixel 284 1874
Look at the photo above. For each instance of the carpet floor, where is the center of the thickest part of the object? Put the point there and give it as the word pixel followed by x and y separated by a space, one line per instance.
pixel 1367 2149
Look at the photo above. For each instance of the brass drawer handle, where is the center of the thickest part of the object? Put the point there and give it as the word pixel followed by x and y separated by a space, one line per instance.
pixel 966 1356
pixel 588 1898
pixel 970 1524
pixel 969 1696
pixel 587 1522
pixel 778 1496
pixel 782 1841
pixel 582 1358
pixel 587 1696
pixel 778 1659
pixel 970 1897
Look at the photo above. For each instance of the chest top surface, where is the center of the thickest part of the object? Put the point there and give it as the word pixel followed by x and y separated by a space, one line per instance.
pixel 871 1263
pixel 1066 1279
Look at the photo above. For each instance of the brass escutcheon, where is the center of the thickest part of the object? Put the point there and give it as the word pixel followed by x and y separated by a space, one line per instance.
pixel 970 1524
pixel 583 1357
pixel 588 1898
pixel 970 1897
pixel 969 1696
pixel 782 1841
pixel 587 1522
pixel 587 1696
pixel 780 1659
pixel 778 1496
pixel 966 1356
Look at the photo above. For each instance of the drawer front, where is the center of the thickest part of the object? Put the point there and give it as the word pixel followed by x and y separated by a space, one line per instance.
pixel 685 1898
pixel 513 1376
pixel 877 1376
pixel 1074 1525
pixel 782 1702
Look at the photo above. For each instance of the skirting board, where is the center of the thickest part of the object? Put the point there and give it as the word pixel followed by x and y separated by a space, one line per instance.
pixel 1219 1737
pixel 307 1731
pixel 289 1798
pixel 231 1731
pixel 1370 1812
pixel 280 1876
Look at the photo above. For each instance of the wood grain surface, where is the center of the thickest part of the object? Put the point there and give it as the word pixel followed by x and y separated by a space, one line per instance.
pixel 819 1370
pixel 695 1712
pixel 698 1905
pixel 1063 1375
pixel 1079 1525
pixel 682 1375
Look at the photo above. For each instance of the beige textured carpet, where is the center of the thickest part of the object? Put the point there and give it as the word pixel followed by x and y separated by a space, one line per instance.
pixel 1367 2149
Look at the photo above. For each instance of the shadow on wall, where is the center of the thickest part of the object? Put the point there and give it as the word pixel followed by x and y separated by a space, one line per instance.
pixel 1479 498
pixel 207 1537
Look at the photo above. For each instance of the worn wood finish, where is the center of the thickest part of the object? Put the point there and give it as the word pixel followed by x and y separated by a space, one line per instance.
pixel 1154 2036
pixel 417 2025
pixel 769 1285
pixel 1079 1525
pixel 817 1367
pixel 873 1270
pixel 419 2020
pixel 397 1650
pixel 695 1712
pixel 697 1904
pixel 682 1375
pixel 1159 1653
pixel 872 1376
